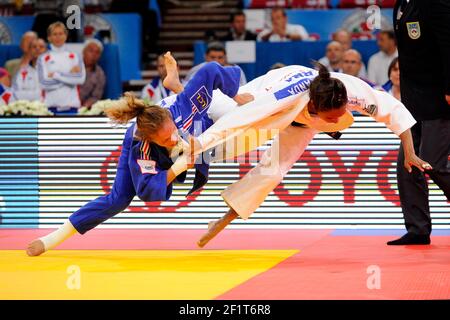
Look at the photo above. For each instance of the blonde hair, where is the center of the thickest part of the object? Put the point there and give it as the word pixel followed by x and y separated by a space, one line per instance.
pixel 55 25
pixel 149 118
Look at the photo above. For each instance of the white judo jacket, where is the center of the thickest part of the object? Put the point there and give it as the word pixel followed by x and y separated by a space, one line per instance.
pixel 61 90
pixel 281 96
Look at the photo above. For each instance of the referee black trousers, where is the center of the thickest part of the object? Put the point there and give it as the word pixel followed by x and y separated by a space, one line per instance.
pixel 432 144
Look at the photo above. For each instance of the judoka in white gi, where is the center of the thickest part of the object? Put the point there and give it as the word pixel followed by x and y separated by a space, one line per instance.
pixel 299 102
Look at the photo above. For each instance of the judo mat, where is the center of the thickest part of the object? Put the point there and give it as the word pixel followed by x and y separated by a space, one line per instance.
pixel 290 264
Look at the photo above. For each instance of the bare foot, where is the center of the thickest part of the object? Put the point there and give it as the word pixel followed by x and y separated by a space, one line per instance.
pixel 172 79
pixel 35 248
pixel 214 227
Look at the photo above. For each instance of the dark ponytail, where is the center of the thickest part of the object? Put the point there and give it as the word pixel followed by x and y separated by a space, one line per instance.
pixel 326 93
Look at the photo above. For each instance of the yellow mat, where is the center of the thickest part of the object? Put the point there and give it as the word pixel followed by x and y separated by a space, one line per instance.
pixel 131 274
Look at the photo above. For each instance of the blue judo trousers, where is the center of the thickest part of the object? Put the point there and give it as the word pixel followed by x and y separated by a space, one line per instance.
pixel 142 168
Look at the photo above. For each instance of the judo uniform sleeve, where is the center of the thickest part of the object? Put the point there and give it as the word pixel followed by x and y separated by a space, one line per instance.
pixel 379 105
pixel 193 103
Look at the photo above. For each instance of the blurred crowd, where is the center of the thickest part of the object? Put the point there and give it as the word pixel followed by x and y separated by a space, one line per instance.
pixel 51 73
pixel 65 81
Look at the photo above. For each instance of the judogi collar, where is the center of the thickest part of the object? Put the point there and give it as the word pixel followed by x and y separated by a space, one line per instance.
pixel 317 123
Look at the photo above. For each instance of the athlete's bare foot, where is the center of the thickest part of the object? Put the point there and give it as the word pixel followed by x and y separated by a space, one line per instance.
pixel 214 227
pixel 35 248
pixel 172 79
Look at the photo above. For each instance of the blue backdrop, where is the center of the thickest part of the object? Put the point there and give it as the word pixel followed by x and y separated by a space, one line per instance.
pixel 126 28
pixel 288 53
pixel 325 22
pixel 12 28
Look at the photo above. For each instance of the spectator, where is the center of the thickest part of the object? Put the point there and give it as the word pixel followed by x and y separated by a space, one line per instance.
pixel 215 52
pixel 344 37
pixel 237 29
pixel 40 46
pixel 333 57
pixel 6 95
pixel 14 65
pixel 380 61
pixel 155 90
pixel 281 30
pixel 392 86
pixel 352 64
pixel 92 89
pixel 60 73
pixel 26 83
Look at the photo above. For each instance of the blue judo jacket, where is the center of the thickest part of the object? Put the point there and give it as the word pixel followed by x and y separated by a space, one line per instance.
pixel 143 165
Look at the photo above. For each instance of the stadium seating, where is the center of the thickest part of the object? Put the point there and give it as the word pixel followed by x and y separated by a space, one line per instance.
pixel 318 4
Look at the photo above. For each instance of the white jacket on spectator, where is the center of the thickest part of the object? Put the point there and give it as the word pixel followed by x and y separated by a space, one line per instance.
pixel 6 95
pixel 61 90
pixel 290 29
pixel 378 67
pixel 26 84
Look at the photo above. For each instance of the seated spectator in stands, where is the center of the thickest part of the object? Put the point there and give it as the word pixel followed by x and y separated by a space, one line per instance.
pixel 26 82
pixel 13 65
pixel 92 89
pixel 281 30
pixel 352 64
pixel 380 61
pixel 333 57
pixel 215 52
pixel 344 37
pixel 6 95
pixel 60 73
pixel 392 86
pixel 237 29
pixel 155 90
pixel 40 45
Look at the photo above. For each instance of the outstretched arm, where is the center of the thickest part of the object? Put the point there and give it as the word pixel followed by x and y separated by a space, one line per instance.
pixel 410 156
pixel 382 107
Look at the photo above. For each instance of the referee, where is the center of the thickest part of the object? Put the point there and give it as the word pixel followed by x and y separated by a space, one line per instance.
pixel 422 29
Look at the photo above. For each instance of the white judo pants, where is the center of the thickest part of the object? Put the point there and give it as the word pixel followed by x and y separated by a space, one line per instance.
pixel 247 194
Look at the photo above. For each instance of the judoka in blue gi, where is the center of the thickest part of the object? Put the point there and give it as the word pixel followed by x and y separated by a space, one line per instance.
pixel 153 153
